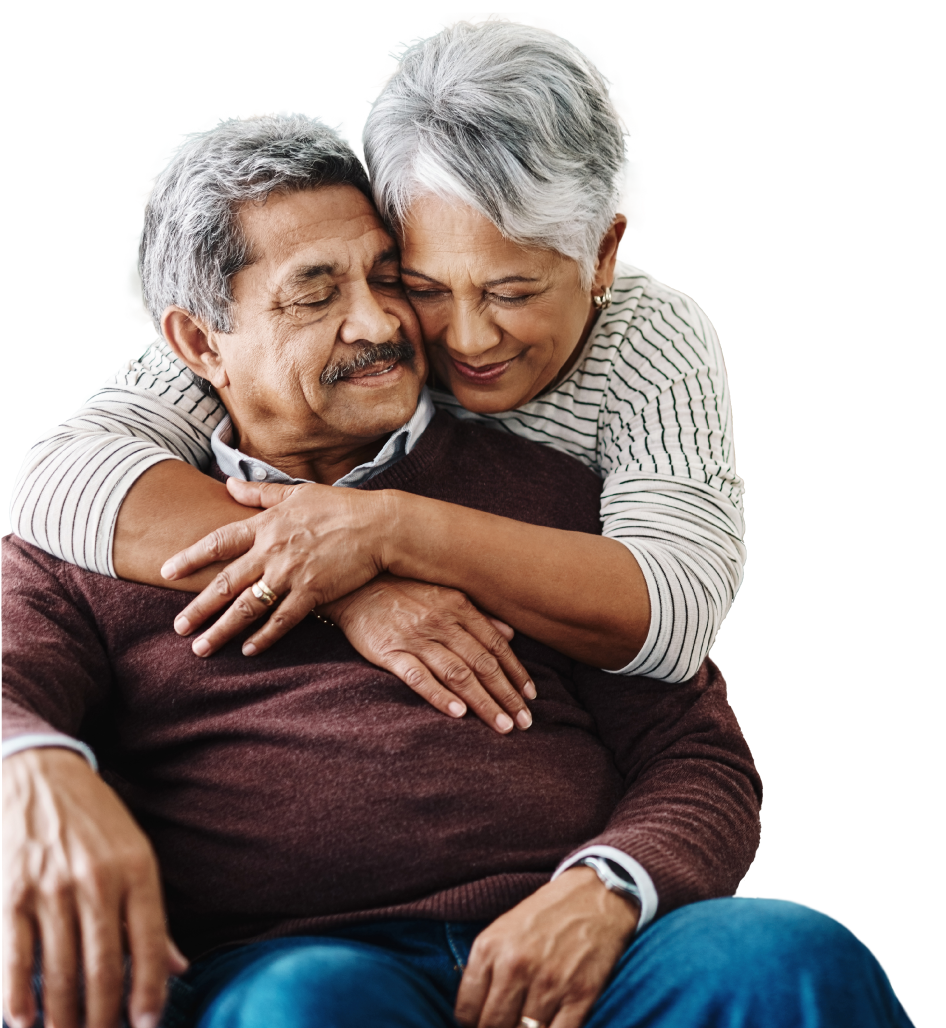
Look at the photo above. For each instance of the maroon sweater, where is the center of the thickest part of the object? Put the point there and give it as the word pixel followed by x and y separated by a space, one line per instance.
pixel 306 788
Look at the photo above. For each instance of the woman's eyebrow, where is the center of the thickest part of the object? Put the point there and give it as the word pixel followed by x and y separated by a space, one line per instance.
pixel 510 278
pixel 419 274
pixel 505 280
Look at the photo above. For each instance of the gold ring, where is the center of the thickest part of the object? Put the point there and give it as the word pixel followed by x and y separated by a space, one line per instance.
pixel 263 593
pixel 529 1022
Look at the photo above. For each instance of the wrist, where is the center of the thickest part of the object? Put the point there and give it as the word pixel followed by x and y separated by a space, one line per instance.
pixel 621 911
pixel 391 528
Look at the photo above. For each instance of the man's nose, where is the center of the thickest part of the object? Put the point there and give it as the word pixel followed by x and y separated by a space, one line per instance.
pixel 367 320
pixel 471 333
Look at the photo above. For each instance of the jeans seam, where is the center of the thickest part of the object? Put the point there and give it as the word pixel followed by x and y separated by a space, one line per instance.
pixel 451 942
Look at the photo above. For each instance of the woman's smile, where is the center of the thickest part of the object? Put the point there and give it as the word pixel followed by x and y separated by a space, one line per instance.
pixel 481 373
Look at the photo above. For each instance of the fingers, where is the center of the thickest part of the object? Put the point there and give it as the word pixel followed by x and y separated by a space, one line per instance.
pixel 244 612
pixel 102 957
pixel 259 494
pixel 224 543
pixel 474 988
pixel 287 615
pixel 152 953
pixel 177 962
pixel 57 930
pixel 19 943
pixel 504 630
pixel 226 587
pixel 414 674
pixel 473 675
pixel 485 631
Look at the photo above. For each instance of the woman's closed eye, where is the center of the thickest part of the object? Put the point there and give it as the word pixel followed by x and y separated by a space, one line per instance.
pixel 438 295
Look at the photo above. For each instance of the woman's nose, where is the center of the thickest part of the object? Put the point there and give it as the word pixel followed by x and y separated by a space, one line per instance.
pixel 471 334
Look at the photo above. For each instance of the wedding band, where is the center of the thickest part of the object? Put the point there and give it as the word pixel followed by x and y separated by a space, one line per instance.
pixel 529 1022
pixel 263 593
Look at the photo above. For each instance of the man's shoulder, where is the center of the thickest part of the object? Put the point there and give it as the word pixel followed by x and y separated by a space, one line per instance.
pixel 488 468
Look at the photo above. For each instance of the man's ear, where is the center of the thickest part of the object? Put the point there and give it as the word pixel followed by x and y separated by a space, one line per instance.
pixel 190 339
pixel 608 254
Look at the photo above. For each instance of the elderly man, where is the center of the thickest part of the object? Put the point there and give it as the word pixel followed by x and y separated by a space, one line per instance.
pixel 332 850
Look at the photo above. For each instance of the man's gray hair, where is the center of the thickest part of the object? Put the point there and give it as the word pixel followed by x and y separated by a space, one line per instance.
pixel 192 244
pixel 511 120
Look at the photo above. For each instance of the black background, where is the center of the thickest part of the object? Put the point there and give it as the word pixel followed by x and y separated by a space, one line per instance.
pixel 840 147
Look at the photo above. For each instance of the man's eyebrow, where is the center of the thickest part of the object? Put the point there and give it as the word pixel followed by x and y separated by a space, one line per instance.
pixel 308 272
pixel 505 280
pixel 390 256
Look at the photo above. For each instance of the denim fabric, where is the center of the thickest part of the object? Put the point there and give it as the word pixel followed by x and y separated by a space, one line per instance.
pixel 730 963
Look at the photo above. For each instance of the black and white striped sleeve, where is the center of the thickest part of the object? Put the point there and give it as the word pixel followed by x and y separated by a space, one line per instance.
pixel 671 493
pixel 73 482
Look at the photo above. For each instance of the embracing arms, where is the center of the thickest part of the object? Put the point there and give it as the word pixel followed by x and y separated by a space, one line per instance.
pixel 689 816
pixel 580 593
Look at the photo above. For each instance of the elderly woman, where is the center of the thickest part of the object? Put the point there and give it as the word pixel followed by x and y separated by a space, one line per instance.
pixel 496 157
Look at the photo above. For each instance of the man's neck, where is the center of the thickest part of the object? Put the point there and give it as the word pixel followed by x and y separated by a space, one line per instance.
pixel 325 466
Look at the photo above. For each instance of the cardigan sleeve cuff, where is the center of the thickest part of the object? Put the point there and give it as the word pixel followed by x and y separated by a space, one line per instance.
pixel 635 870
pixel 38 740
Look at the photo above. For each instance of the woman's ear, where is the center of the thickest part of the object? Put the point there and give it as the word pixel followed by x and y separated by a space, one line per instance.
pixel 608 254
pixel 190 339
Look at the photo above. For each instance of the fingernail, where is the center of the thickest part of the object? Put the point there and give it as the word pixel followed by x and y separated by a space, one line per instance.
pixel 168 570
pixel 456 708
pixel 504 722
pixel 201 647
pixel 182 626
pixel 248 649
pixel 528 690
pixel 523 719
pixel 148 1020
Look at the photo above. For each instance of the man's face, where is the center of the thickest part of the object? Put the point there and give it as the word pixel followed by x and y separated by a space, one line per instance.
pixel 321 294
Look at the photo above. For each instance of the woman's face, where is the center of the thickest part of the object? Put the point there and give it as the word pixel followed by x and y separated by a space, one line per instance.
pixel 502 322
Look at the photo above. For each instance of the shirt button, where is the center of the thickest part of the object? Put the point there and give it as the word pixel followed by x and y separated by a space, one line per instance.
pixel 259 474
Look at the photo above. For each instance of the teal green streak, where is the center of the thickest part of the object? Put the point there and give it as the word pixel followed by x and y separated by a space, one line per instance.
pixel 740 212
pixel 852 657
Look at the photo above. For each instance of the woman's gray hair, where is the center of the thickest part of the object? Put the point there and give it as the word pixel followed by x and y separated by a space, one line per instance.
pixel 192 244
pixel 511 120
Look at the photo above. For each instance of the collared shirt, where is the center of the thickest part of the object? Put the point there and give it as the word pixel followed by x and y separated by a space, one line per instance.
pixel 236 464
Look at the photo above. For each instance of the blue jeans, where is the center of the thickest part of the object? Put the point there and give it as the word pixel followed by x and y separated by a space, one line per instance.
pixel 728 963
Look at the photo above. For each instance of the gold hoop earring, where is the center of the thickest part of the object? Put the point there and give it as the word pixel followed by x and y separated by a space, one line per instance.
pixel 603 301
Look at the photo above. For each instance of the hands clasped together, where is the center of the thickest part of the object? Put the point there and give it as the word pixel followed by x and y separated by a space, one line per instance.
pixel 319 548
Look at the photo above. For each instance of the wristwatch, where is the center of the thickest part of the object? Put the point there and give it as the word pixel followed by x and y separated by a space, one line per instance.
pixel 613 877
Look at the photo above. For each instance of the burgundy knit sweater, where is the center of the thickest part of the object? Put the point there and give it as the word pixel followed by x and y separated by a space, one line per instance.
pixel 306 788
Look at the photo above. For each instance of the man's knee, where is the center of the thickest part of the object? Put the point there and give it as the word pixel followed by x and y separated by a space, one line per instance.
pixel 744 939
pixel 318 981
pixel 761 961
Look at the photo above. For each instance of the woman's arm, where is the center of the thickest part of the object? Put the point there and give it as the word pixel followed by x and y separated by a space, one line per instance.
pixel 152 415
pixel 584 595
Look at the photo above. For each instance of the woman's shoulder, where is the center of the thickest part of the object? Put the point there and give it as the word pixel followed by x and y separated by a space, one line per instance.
pixel 648 319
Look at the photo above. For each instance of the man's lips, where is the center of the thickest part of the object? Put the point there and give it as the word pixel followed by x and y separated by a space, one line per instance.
pixel 372 371
pixel 482 373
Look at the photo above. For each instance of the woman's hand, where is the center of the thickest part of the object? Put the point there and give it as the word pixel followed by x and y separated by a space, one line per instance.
pixel 440 645
pixel 549 957
pixel 313 544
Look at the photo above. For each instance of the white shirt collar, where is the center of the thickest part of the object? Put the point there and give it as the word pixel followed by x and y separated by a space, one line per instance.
pixel 398 444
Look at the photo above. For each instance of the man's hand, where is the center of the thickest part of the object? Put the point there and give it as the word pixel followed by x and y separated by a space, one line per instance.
pixel 79 878
pixel 313 544
pixel 549 957
pixel 440 645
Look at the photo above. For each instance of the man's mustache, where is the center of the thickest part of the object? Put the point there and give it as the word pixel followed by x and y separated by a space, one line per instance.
pixel 381 353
